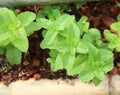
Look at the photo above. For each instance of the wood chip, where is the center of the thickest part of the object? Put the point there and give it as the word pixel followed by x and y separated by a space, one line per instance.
pixel 37 76
pixel 36 62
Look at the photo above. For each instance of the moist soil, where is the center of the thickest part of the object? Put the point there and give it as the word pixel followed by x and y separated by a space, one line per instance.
pixel 101 14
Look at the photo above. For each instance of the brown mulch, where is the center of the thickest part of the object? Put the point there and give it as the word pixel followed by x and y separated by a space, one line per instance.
pixel 101 14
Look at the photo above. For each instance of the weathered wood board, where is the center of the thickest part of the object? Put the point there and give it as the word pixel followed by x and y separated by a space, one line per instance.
pixel 54 87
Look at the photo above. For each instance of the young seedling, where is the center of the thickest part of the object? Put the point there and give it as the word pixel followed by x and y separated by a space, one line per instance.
pixel 14 30
pixel 75 47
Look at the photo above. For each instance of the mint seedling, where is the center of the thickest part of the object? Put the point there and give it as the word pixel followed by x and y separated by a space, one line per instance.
pixel 13 33
pixel 112 38
pixel 75 47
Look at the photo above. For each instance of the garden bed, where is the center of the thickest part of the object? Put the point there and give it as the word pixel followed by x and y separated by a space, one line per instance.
pixel 101 14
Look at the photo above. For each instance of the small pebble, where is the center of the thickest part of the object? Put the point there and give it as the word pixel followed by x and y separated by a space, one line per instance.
pixel 25 63
pixel 24 78
pixel 37 76
pixel 36 62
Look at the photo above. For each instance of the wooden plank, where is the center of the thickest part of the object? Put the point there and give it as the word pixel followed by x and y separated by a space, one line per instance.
pixel 115 85
pixel 54 87
pixel 11 3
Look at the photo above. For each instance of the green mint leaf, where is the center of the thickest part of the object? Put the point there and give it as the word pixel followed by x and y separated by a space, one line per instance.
pixel 72 35
pixel 5 13
pixel 86 26
pixel 96 81
pixel 87 38
pixel 87 74
pixel 4 39
pixel 53 53
pixel 26 18
pixel 107 58
pixel 99 43
pixel 94 34
pixel 55 60
pixel 52 62
pixel 21 42
pixel 63 21
pixel 83 24
pixel 44 33
pixel 93 50
pixel 83 19
pixel 47 24
pixel 113 39
pixel 13 55
pixel 58 63
pixel 68 61
pixel 82 48
pixel 107 67
pixel 118 17
pixel 73 32
pixel 79 65
pixel 49 39
pixel 116 26
pixel 56 14
pixel 72 29
pixel 99 75
pixel 110 36
pixel 40 14
pixel 60 46
pixel 3 27
pixel 32 27
pixel 55 10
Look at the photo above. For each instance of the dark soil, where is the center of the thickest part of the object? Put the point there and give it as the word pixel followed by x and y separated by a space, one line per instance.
pixel 100 15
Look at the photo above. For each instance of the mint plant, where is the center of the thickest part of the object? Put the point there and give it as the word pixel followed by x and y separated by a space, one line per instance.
pixel 13 33
pixel 112 38
pixel 75 47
